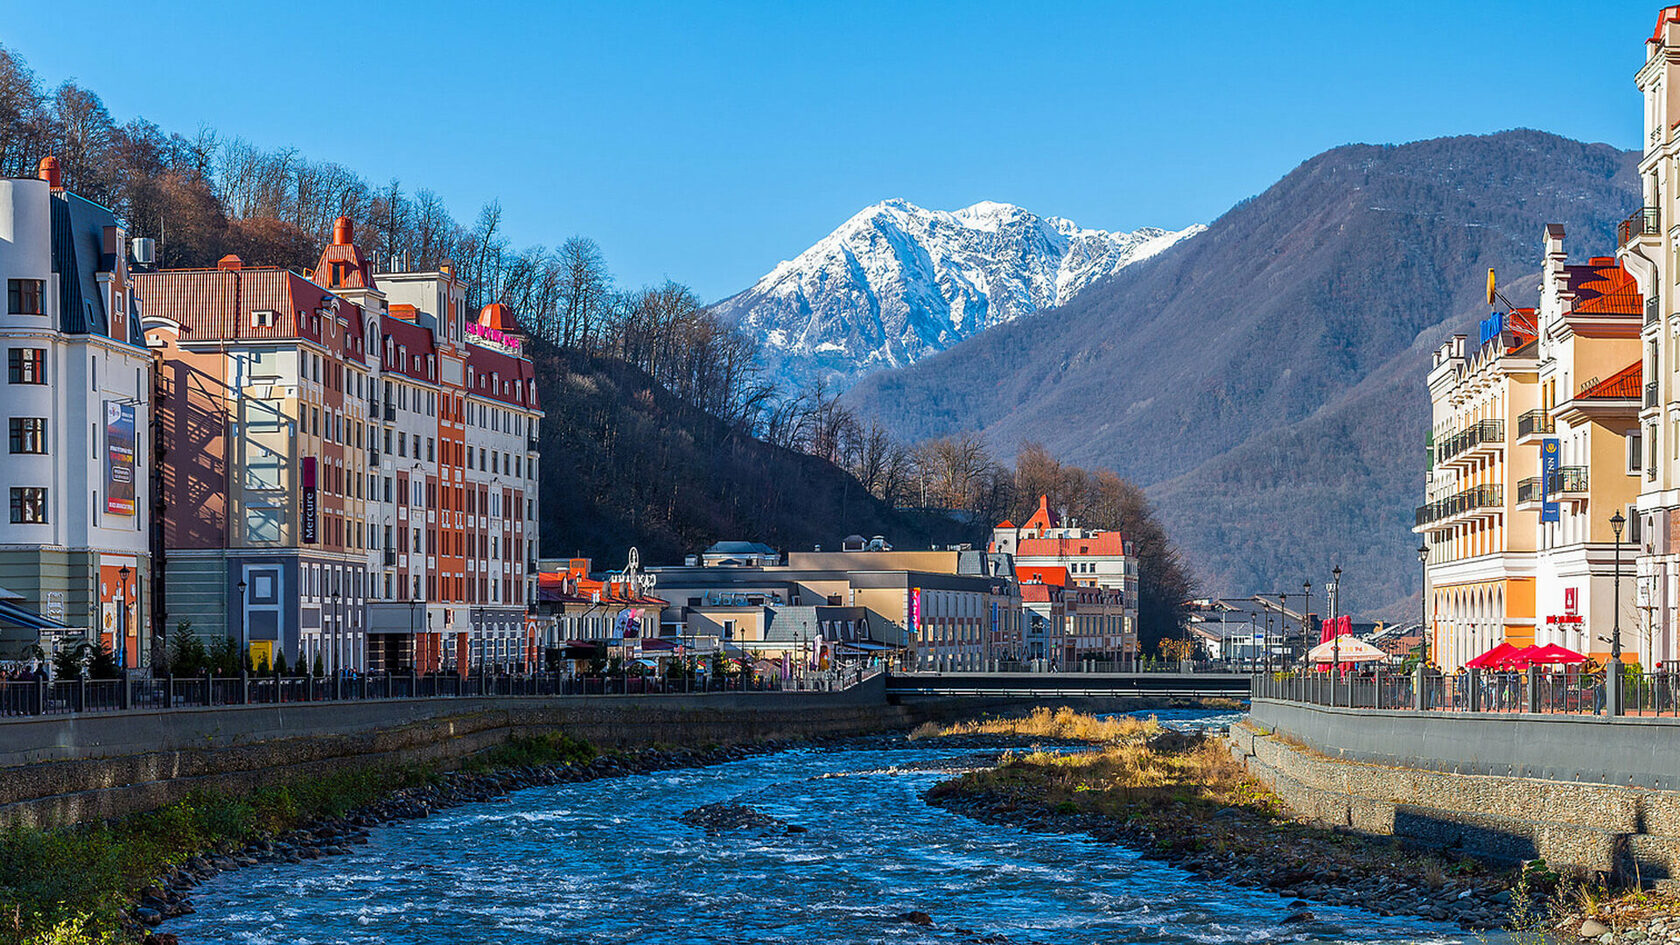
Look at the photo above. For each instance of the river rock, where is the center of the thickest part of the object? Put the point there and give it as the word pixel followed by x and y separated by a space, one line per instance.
pixel 718 818
pixel 916 918
pixel 1592 928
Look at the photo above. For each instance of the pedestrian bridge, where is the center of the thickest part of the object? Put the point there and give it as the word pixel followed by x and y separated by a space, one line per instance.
pixel 1049 686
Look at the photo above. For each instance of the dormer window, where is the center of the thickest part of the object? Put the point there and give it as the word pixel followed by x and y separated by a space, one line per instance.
pixel 264 319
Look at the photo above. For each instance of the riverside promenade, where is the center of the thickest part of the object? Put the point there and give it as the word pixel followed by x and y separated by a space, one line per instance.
pixel 1600 793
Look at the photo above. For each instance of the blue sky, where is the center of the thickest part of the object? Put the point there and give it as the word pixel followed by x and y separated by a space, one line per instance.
pixel 705 142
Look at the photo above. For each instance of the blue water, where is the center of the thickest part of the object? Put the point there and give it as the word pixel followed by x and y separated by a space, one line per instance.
pixel 607 861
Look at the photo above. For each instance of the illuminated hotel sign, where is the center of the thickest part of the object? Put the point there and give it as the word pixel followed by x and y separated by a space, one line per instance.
pixel 492 337
pixel 1492 326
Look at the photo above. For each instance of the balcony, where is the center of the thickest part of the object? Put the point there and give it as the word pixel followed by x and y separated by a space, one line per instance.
pixel 1472 437
pixel 1651 395
pixel 1529 492
pixel 373 457
pixel 1644 222
pixel 1534 423
pixel 1471 502
pixel 390 412
pixel 1653 313
pixel 1568 482
pixel 390 557
pixel 531 444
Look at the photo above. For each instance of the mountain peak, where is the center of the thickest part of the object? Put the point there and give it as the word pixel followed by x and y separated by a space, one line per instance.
pixel 897 282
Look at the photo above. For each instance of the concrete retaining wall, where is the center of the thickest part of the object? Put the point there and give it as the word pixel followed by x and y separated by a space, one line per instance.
pixel 66 770
pixel 1443 796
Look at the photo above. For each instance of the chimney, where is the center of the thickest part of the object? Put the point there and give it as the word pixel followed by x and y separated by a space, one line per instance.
pixel 344 232
pixel 230 263
pixel 48 171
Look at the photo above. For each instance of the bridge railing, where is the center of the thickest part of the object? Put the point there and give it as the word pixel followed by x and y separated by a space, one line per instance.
pixel 32 697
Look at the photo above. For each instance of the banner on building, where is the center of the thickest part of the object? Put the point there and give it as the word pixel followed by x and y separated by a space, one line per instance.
pixel 915 610
pixel 1548 475
pixel 309 500
pixel 119 458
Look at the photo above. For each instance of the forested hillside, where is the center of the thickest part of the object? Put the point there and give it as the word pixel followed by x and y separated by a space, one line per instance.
pixel 1265 379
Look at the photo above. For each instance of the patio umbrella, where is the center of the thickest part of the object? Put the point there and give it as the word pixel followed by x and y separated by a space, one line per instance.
pixel 1492 657
pixel 1518 658
pixel 1552 653
pixel 1349 648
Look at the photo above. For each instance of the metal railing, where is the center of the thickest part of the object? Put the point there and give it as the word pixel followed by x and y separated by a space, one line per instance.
pixel 531 444
pixel 1644 222
pixel 1533 422
pixel 1476 497
pixel 1567 479
pixel 1543 692
pixel 1476 434
pixel 1652 397
pixel 1528 490
pixel 79 696
pixel 390 411
pixel 390 557
pixel 1653 311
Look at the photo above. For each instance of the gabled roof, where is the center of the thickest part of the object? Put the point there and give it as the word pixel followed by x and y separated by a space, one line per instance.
pixel 1043 518
pixel 1602 287
pixel 342 265
pixel 1624 385
pixel 1042 574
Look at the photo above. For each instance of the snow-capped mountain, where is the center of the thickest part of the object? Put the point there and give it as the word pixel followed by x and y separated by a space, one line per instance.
pixel 896 283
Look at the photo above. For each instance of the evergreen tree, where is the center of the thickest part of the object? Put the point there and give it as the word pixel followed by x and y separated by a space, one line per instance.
pixel 281 668
pixel 102 664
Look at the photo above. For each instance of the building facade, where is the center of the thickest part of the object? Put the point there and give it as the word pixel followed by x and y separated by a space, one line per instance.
pixel 351 468
pixel 74 547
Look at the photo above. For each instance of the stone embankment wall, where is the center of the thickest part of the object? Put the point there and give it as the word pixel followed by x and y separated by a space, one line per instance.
pixel 1631 832
pixel 70 769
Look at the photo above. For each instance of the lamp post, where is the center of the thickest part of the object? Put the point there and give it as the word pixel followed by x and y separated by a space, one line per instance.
pixel 1306 611
pixel 1423 606
pixel 337 654
pixel 122 618
pixel 244 644
pixel 1335 590
pixel 1613 674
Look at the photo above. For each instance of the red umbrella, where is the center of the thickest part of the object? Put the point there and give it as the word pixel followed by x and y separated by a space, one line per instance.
pixel 1552 653
pixel 1518 658
pixel 1492 657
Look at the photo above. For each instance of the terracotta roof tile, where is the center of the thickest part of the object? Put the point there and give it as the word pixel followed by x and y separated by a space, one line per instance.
pixel 1603 288
pixel 1624 384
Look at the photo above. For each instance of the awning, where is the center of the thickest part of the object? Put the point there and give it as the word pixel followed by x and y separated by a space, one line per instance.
pixel 13 615
pixel 864 647
pixel 1347 649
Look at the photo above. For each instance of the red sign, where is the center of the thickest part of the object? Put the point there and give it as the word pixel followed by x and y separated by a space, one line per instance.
pixel 1571 600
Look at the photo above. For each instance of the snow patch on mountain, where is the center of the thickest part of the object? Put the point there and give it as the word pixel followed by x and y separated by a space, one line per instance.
pixel 897 282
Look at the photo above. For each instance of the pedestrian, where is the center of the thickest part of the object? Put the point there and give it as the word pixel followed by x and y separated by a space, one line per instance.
pixel 1595 679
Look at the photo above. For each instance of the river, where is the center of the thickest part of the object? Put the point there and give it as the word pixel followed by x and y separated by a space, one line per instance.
pixel 607 861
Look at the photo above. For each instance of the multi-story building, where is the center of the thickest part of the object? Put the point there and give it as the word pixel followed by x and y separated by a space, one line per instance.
pixel 1046 551
pixel 1586 432
pixel 1647 248
pixel 1481 561
pixel 1536 443
pixel 77 398
pixel 354 466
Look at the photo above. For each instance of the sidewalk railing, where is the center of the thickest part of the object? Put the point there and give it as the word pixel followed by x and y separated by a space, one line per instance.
pixel 1536 691
pixel 79 696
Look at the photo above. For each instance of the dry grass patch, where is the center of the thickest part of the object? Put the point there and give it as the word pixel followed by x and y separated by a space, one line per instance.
pixel 1063 724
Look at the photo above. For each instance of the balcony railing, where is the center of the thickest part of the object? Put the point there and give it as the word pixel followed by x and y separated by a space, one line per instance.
pixel 1567 479
pixel 1478 497
pixel 390 557
pixel 1651 394
pixel 373 457
pixel 1534 422
pixel 1476 434
pixel 1653 312
pixel 1529 490
pixel 390 411
pixel 531 444
pixel 1644 222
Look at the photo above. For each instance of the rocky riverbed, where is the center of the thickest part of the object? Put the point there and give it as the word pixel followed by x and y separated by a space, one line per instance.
pixel 1311 866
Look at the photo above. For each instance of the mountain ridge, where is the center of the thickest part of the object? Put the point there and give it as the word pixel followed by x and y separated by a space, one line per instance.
pixel 1304 314
pixel 896 282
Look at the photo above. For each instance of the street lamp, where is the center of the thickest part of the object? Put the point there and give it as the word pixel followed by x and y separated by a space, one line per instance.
pixel 122 617
pixel 337 648
pixel 1423 606
pixel 1335 628
pixel 244 644
pixel 1306 610
pixel 1616 523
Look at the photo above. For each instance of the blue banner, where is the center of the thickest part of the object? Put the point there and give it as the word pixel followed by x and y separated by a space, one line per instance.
pixel 1548 478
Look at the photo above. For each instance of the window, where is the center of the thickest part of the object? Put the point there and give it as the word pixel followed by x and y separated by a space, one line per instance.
pixel 264 319
pixel 29 505
pixel 29 434
pixel 25 296
pixel 26 366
